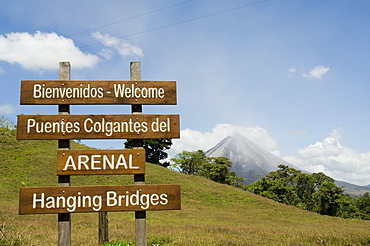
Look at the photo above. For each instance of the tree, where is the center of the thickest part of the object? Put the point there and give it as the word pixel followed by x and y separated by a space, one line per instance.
pixel 218 170
pixel 283 186
pixel 305 188
pixel 277 189
pixel 154 149
pixel 213 168
pixel 363 206
pixel 329 199
pixel 314 192
pixel 6 122
pixel 189 162
pixel 320 178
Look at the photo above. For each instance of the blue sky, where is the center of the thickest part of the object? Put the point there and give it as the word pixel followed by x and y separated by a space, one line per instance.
pixel 293 76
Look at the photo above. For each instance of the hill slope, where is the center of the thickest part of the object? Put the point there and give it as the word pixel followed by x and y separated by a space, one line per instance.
pixel 212 214
pixel 252 162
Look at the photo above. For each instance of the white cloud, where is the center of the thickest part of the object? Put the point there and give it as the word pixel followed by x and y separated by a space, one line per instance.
pixel 7 109
pixel 292 70
pixel 42 51
pixel 316 73
pixel 333 159
pixel 327 156
pixel 124 47
pixel 107 54
pixel 192 140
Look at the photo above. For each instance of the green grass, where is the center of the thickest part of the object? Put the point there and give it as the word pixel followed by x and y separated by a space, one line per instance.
pixel 211 214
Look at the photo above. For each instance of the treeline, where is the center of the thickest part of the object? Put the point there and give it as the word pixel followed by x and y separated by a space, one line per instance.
pixel 314 192
pixel 213 168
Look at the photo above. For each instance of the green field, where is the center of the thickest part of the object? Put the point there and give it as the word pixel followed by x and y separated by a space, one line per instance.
pixel 211 214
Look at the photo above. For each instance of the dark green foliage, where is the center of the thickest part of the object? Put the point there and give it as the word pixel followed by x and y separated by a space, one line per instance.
pixel 314 192
pixel 218 170
pixel 213 168
pixel 189 162
pixel 363 206
pixel 154 149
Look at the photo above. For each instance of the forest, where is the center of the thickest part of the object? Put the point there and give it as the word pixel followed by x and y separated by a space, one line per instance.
pixel 314 192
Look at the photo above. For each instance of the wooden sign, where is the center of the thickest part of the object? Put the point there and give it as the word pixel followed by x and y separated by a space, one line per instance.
pixel 52 92
pixel 74 199
pixel 138 126
pixel 87 162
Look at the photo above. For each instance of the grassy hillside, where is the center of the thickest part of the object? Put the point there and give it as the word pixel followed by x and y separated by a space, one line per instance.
pixel 212 214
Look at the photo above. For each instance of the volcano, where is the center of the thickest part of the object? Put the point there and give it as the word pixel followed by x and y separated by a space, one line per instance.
pixel 250 161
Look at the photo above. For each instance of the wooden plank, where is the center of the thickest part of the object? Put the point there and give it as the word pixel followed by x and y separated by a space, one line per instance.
pixel 74 199
pixel 88 162
pixel 51 92
pixel 141 126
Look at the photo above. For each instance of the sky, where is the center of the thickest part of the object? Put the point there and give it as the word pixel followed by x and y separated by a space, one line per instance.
pixel 291 75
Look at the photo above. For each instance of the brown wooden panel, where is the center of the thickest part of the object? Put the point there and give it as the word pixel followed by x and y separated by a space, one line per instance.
pixel 51 92
pixel 83 199
pixel 138 126
pixel 88 162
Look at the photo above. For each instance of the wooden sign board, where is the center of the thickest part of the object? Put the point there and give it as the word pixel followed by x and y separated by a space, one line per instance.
pixel 138 126
pixel 88 162
pixel 83 199
pixel 50 92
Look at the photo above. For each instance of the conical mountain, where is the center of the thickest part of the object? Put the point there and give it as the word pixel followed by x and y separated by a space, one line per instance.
pixel 250 161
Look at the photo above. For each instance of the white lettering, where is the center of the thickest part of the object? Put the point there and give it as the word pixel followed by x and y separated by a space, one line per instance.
pixel 164 199
pixel 94 161
pixel 130 163
pixel 82 160
pixel 161 126
pixel 144 201
pixel 111 198
pixel 52 127
pixel 99 162
pixel 70 203
pixel 97 202
pixel 83 91
pixel 73 202
pixel 154 199
pixel 37 91
pixel 119 90
pixel 69 163
pixel 41 200
pixel 50 202
pixel 121 162
pixel 107 161
pixel 138 92
pixel 30 123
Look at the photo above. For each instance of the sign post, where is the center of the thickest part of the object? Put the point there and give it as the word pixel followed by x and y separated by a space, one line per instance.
pixel 66 199
pixel 64 219
pixel 139 179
